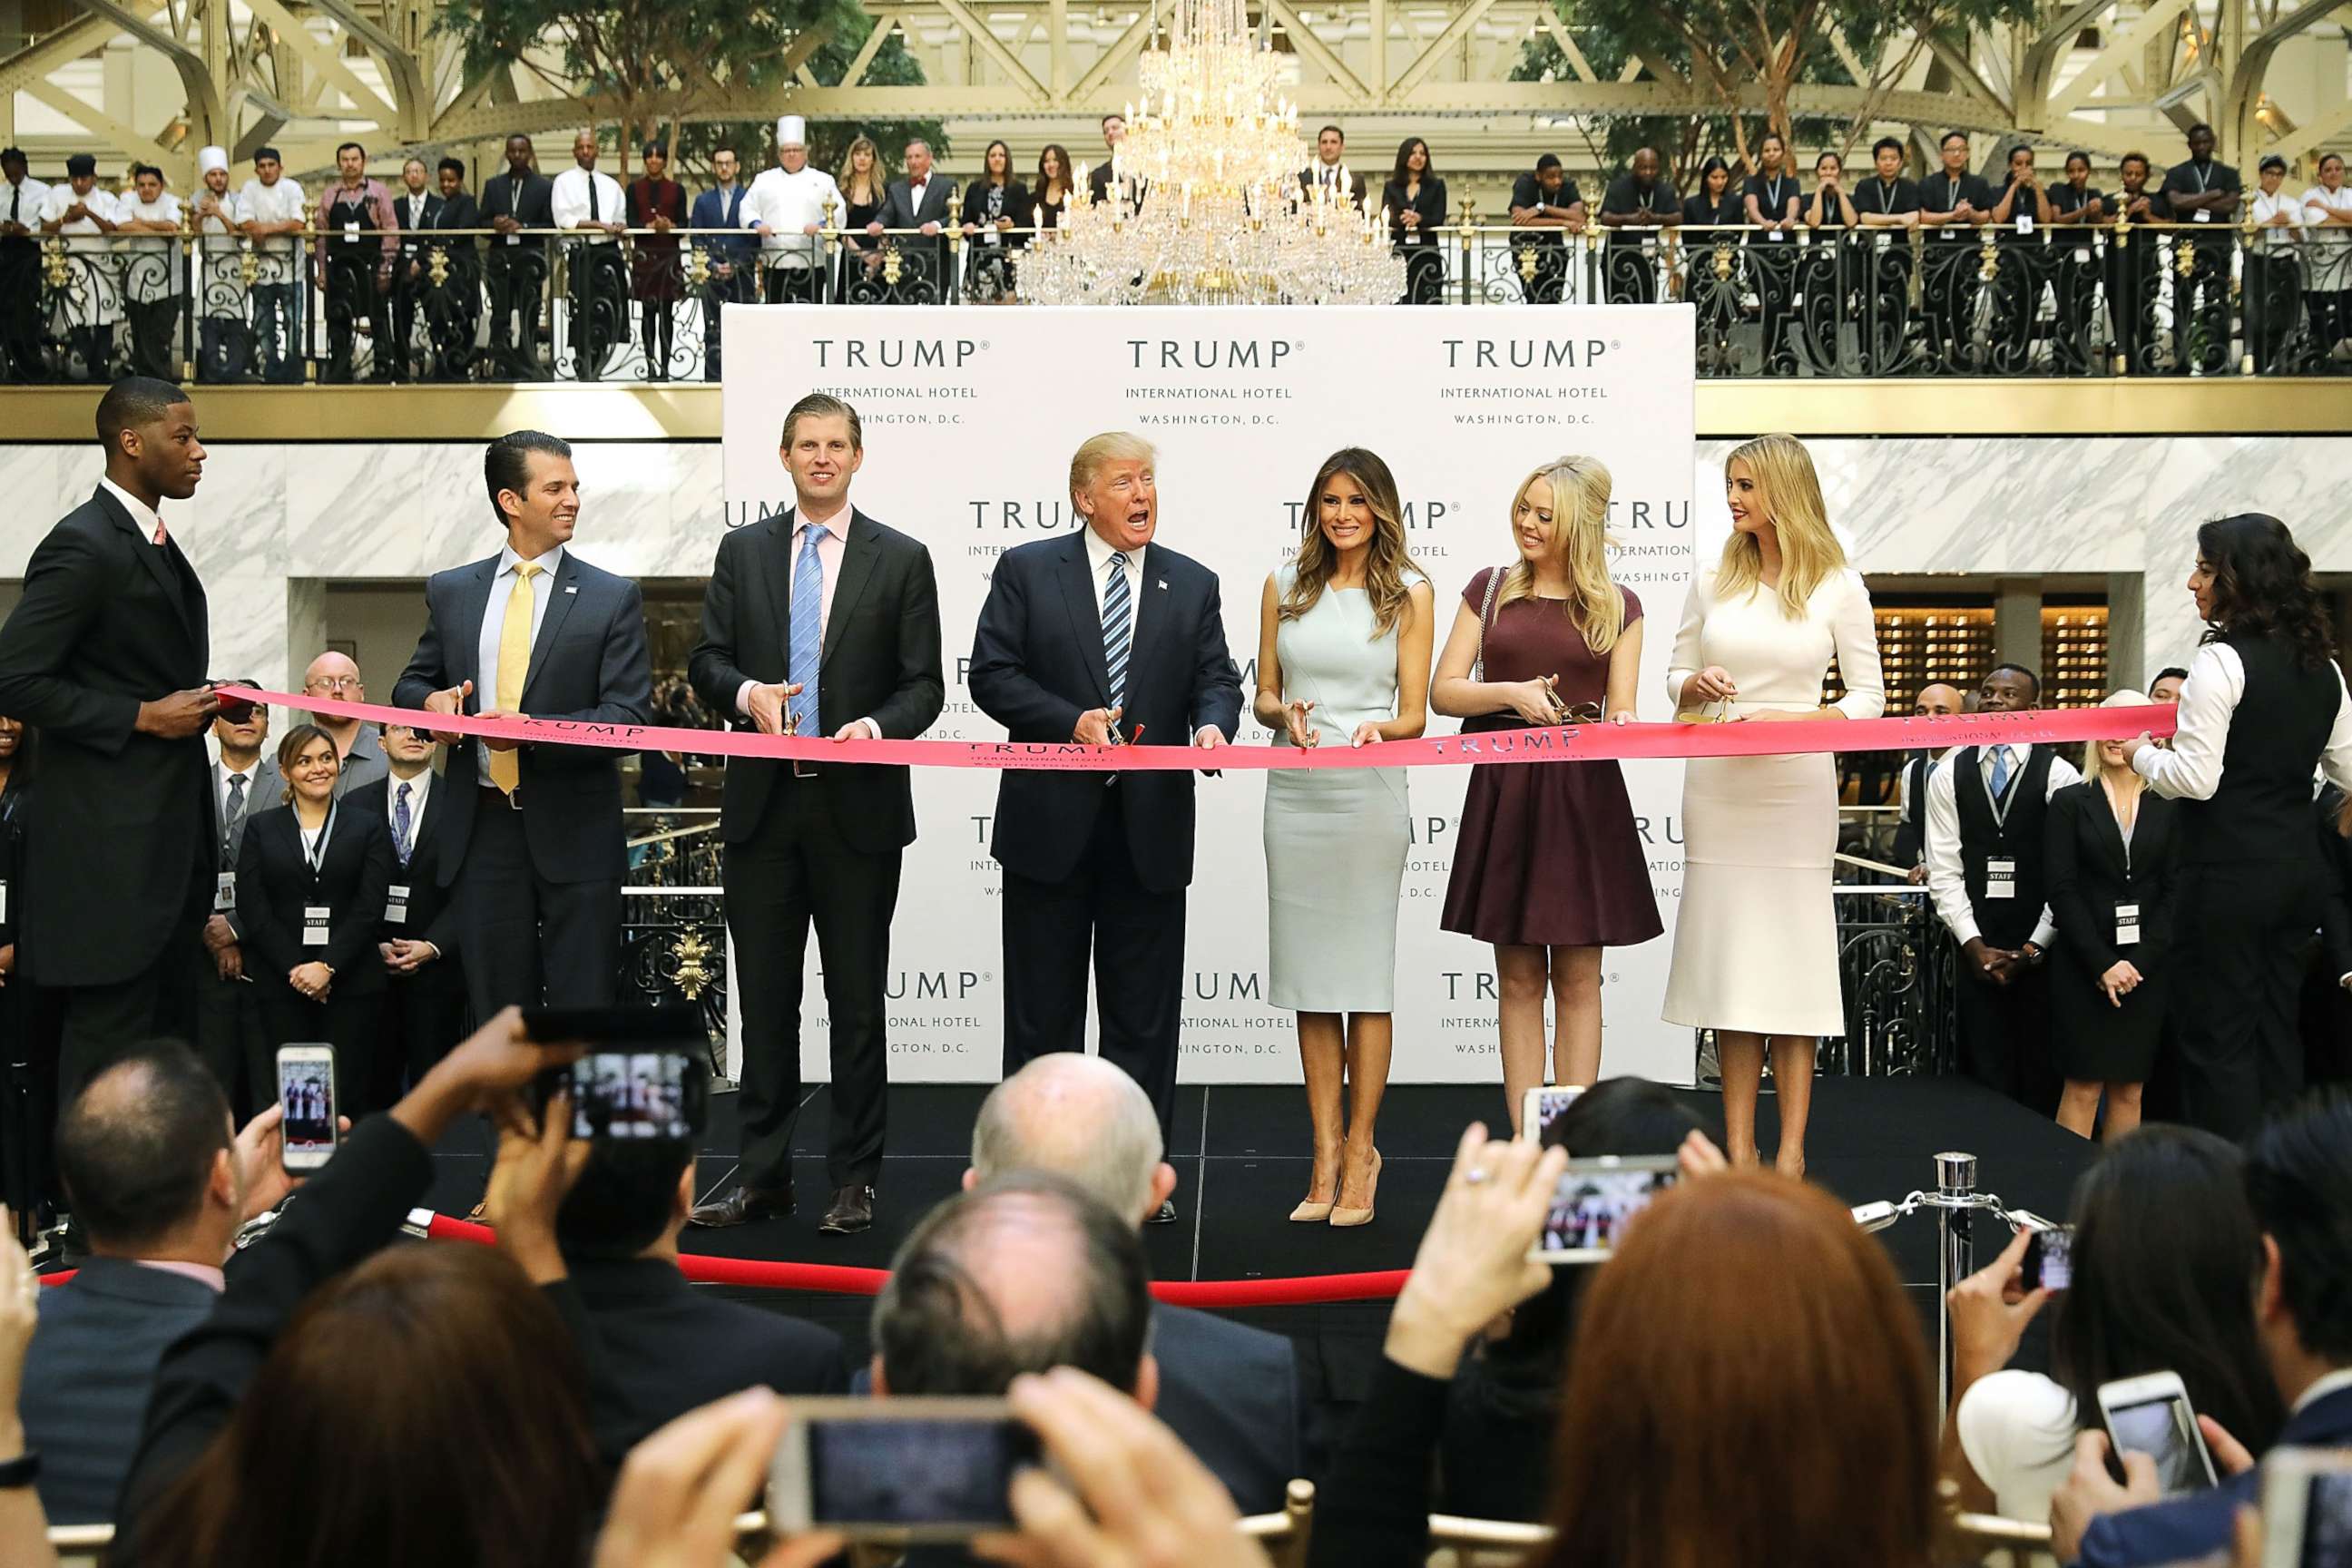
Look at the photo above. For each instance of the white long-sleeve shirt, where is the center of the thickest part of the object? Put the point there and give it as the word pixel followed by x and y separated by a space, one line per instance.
pixel 787 203
pixel 1947 881
pixel 2191 768
pixel 571 205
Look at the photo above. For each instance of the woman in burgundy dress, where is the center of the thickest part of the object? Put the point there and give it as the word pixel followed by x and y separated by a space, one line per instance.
pixel 1550 869
pixel 657 275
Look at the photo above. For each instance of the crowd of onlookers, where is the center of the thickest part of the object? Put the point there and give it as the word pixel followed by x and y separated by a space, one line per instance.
pixel 422 277
pixel 1742 1382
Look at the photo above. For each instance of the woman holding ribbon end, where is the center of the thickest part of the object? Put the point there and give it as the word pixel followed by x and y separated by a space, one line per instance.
pixel 1756 956
pixel 1549 867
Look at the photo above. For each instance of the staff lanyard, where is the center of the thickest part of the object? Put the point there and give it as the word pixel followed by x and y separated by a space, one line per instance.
pixel 315 854
pixel 1885 199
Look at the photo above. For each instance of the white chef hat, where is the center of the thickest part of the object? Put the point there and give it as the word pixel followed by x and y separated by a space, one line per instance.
pixel 211 158
pixel 792 131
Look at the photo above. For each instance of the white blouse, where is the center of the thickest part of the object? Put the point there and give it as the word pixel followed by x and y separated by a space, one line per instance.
pixel 2018 1430
pixel 1776 662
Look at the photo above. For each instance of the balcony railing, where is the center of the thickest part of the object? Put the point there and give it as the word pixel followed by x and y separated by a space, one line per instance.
pixel 445 305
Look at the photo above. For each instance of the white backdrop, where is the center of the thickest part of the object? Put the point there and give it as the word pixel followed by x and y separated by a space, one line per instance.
pixel 970 417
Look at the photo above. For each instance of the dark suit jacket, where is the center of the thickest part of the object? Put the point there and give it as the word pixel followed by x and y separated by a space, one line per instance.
pixel 1019 206
pixel 1312 175
pixel 588 663
pixel 664 1348
pixel 408 246
pixel 2189 1527
pixel 715 209
pixel 88 1376
pixel 108 620
pixel 1232 1394
pixel 880 661
pixel 432 911
pixel 2086 873
pixel 899 209
pixel 273 883
pixel 1430 206
pixel 1911 825
pixel 1037 664
pixel 1098 185
pixel 459 212
pixel 529 201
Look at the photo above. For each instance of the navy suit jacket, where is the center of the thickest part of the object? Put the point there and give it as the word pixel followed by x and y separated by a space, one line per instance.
pixel 717 209
pixel 589 664
pixel 2188 1527
pixel 1037 664
pixel 88 1373
pixel 1232 1394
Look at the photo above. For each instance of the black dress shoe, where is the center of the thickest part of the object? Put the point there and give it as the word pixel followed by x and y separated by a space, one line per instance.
pixel 1166 1214
pixel 851 1211
pixel 741 1204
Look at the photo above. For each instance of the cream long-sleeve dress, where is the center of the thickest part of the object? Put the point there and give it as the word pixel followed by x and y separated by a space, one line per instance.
pixel 1756 941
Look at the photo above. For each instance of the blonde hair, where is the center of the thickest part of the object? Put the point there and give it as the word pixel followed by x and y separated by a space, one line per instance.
pixel 1388 565
pixel 2095 761
pixel 1580 512
pixel 1810 553
pixel 876 176
pixel 1110 447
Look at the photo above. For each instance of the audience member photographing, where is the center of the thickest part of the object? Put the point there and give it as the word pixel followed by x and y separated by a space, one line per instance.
pixel 2163 1247
pixel 160 1179
pixel 663 1347
pixel 1230 1393
pixel 23 1528
pixel 2298 1179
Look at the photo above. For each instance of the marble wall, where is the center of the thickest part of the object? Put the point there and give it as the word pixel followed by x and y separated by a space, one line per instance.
pixel 273 524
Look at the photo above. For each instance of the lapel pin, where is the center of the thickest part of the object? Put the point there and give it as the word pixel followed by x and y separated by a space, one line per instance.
pixel 575 588
pixel 1163 585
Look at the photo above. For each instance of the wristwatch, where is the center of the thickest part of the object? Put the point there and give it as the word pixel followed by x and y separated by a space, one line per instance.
pixel 2033 953
pixel 21 1472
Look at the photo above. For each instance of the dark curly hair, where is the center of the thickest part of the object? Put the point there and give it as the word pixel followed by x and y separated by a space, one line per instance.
pixel 2262 588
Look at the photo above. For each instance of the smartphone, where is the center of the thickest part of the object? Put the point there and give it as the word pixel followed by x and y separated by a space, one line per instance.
pixel 1596 1198
pixel 907 1470
pixel 306 1088
pixel 2049 1261
pixel 637 1094
pixel 2308 1508
pixel 1542 1106
pixel 2152 1415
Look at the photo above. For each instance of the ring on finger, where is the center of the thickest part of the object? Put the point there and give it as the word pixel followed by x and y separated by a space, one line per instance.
pixel 1476 1175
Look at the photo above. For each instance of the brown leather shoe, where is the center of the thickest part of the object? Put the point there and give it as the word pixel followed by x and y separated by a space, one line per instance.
pixel 851 1211
pixel 740 1205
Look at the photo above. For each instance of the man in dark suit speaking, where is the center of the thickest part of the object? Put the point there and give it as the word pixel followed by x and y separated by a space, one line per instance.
pixel 533 846
pixel 105 656
pixel 1101 637
pixel 820 622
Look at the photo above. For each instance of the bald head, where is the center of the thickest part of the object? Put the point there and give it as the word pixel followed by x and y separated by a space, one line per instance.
pixel 1938 699
pixel 334 677
pixel 1079 1117
pixel 143 1153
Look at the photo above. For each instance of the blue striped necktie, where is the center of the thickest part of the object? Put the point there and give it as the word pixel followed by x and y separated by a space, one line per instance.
pixel 1119 625
pixel 808 628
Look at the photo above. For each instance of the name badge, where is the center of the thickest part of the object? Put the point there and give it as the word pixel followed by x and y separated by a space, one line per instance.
pixel 3 902
pixel 2082 255
pixel 351 231
pixel 314 925
pixel 1950 231
pixel 225 892
pixel 2025 223
pixel 2204 215
pixel 2000 878
pixel 1776 236
pixel 514 239
pixel 395 908
pixel 1886 242
pixel 1413 236
pixel 2127 925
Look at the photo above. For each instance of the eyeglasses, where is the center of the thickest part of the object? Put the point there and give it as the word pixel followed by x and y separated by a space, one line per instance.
pixel 336 683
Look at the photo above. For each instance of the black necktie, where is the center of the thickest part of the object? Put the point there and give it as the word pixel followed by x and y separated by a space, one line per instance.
pixel 593 216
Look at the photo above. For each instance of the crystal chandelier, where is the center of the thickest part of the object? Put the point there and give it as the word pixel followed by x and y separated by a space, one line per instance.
pixel 1205 205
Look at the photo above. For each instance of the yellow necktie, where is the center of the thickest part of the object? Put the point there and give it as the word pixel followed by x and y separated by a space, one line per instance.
pixel 514 665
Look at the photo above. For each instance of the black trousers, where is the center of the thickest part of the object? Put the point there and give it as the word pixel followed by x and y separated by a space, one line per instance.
pixel 28 1098
pixel 20 310
pixel 232 1035
pixel 419 1018
pixel 2005 1035
pixel 524 939
pixel 1137 938
pixel 152 323
pixel 346 1021
pixel 351 294
pixel 737 286
pixel 793 285
pixel 797 869
pixel 104 1023
pixel 2245 928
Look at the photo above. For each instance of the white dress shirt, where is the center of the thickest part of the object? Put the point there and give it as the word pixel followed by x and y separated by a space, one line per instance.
pixel 419 789
pixel 2191 768
pixel 221 773
pixel 494 620
pixel 2274 239
pixel 150 270
pixel 788 204
pixel 412 207
pixel 280 203
pixel 2330 249
pixel 101 301
pixel 833 544
pixel 570 201
pixel 145 516
pixel 1947 876
pixel 22 203
pixel 1099 554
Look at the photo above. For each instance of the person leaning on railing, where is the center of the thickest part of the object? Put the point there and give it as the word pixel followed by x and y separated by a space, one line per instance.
pixel 2273 275
pixel 1887 207
pixel 2328 209
pixel 151 270
pixel 1637 204
pixel 87 215
pixel 1546 202
pixel 657 202
pixel 1415 198
pixel 270 212
pixel 2134 266
pixel 20 269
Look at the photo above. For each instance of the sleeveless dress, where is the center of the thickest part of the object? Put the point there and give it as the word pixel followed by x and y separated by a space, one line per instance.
pixel 1547 854
pixel 1335 842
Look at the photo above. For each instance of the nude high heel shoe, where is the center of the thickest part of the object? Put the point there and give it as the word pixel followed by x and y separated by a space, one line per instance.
pixel 1346 1218
pixel 1310 1212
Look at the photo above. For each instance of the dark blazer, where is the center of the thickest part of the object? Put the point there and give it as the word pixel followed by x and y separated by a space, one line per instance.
pixel 432 911
pixel 408 245
pixel 1311 176
pixel 2189 1527
pixel 1231 1392
pixel 1018 206
pixel 1911 825
pixel 108 620
pixel 529 201
pixel 89 1372
pixel 715 209
pixel 880 661
pixel 1098 185
pixel 1431 206
pixel 589 664
pixel 458 212
pixel 2086 873
pixel 899 209
pixel 273 883
pixel 664 1348
pixel 1037 664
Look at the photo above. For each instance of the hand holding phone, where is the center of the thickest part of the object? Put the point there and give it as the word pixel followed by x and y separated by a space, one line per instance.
pixel 1542 1106
pixel 1596 1200
pixel 306 1091
pixel 2151 1415
pixel 900 1470
pixel 2307 1509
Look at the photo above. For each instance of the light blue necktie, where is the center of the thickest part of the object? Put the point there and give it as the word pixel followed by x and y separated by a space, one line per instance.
pixel 1119 625
pixel 808 628
pixel 2000 773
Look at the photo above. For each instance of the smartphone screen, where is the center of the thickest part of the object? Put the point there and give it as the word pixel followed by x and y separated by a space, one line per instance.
pixel 636 1094
pixel 2048 1261
pixel 923 1474
pixel 306 1088
pixel 2328 1522
pixel 1542 1107
pixel 1594 1203
pixel 2165 1429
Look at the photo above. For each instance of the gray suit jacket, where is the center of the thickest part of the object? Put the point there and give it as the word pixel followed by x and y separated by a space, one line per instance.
pixel 900 209
pixel 86 1377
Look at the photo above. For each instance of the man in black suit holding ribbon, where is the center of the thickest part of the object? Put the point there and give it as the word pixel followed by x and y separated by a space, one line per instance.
pixel 1099 639
pixel 105 656
pixel 820 622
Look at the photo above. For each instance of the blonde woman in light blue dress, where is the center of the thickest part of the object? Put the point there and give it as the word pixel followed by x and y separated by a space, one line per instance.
pixel 1343 659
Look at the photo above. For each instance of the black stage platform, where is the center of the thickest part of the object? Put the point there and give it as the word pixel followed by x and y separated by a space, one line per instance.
pixel 1241 1159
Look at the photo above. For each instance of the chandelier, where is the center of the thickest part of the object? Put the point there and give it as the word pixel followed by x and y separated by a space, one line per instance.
pixel 1205 206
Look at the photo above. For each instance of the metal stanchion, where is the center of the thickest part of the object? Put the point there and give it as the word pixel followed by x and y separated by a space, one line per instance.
pixel 1954 1199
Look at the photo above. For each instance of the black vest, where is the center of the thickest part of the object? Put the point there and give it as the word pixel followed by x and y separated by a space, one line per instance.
pixel 2003 923
pixel 2262 808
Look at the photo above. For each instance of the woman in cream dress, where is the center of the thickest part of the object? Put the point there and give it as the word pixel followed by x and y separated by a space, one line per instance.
pixel 1756 956
pixel 1342 659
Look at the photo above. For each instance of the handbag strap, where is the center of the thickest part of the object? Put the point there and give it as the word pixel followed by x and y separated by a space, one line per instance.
pixel 1486 616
